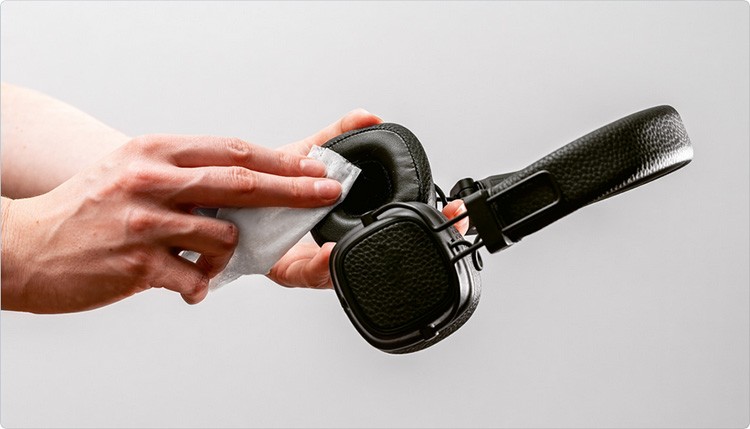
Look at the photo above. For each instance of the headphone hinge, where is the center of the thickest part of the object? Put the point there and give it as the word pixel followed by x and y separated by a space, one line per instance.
pixel 463 188
pixel 499 226
pixel 488 227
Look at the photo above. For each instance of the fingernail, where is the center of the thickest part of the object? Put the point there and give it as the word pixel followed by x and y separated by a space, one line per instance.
pixel 312 167
pixel 327 189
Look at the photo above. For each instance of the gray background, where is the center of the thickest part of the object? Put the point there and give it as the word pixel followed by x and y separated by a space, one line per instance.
pixel 632 312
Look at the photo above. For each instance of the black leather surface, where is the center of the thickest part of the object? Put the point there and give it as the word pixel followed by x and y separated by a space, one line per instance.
pixel 617 157
pixel 394 279
pixel 394 168
pixel 458 321
pixel 397 276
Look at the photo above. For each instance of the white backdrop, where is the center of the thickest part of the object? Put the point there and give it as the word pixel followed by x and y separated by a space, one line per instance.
pixel 629 313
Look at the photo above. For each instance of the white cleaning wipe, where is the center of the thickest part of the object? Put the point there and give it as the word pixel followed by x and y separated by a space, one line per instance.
pixel 267 233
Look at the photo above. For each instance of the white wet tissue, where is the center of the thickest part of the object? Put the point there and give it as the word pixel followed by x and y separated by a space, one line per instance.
pixel 267 233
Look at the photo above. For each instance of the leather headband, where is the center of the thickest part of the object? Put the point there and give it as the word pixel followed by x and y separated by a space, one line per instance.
pixel 613 159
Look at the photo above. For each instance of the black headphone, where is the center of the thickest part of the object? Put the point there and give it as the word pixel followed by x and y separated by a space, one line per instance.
pixel 407 278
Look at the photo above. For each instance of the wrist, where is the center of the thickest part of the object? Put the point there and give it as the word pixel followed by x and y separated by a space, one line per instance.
pixel 12 267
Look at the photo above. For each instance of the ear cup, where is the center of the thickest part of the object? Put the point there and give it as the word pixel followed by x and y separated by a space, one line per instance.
pixel 397 283
pixel 394 169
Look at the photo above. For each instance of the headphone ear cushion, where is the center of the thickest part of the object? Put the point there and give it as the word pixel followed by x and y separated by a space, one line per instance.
pixel 394 169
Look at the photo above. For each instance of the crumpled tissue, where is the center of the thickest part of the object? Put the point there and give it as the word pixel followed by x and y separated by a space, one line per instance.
pixel 267 233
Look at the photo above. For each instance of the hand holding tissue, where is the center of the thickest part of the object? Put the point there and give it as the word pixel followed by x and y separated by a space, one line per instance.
pixel 267 233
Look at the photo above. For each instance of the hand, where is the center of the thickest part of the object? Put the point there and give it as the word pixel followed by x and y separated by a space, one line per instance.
pixel 306 264
pixel 115 229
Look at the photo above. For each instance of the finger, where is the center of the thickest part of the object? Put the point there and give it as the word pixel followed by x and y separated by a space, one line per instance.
pixel 240 187
pixel 213 265
pixel 281 271
pixel 316 271
pixel 453 209
pixel 197 296
pixel 306 265
pixel 354 120
pixel 214 239
pixel 184 277
pixel 200 151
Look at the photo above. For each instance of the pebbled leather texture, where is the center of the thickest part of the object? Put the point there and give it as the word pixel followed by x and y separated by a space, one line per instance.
pixel 612 159
pixel 394 279
pixel 461 318
pixel 457 322
pixel 397 276
pixel 394 167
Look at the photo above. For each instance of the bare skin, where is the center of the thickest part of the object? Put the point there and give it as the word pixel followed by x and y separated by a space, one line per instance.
pixel 91 216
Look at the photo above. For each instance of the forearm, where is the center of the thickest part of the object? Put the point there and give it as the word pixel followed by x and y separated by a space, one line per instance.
pixel 46 141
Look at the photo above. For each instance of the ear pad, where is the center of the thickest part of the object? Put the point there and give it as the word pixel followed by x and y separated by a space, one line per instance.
pixel 394 169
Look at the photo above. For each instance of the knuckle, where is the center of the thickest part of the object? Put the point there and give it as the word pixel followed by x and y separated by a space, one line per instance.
pixel 137 264
pixel 139 176
pixel 136 143
pixel 242 180
pixel 145 144
pixel 199 284
pixel 287 160
pixel 141 221
pixel 240 152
